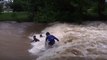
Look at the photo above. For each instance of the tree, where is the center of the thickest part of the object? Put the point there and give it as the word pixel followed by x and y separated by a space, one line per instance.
pixel 1 8
pixel 101 8
pixel 32 8
pixel 19 5
pixel 60 10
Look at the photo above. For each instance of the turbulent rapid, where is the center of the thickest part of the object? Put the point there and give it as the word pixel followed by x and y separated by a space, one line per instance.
pixel 87 41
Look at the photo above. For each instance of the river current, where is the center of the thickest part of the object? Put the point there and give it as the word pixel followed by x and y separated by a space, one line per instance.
pixel 87 41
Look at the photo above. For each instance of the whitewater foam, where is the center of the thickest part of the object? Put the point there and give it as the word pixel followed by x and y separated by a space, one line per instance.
pixel 87 40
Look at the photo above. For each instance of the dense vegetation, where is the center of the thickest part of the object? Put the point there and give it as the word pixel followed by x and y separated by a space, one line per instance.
pixel 57 10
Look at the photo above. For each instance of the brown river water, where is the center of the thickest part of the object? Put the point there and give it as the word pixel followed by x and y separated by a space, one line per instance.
pixel 14 41
pixel 77 42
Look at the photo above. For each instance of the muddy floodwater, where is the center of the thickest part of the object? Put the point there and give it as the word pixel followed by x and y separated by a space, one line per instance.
pixel 14 41
pixel 87 41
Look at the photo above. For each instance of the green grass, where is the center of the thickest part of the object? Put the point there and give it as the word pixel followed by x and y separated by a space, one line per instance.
pixel 15 16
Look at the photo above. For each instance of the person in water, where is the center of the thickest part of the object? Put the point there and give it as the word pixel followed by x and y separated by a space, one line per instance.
pixel 51 39
pixel 41 35
pixel 35 39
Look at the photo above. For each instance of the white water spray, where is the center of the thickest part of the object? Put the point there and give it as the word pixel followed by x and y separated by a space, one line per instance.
pixel 88 41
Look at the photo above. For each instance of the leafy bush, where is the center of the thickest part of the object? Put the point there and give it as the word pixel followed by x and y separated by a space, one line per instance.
pixel 1 8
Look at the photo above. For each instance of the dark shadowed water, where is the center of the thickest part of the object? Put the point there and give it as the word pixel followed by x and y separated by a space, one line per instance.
pixel 14 42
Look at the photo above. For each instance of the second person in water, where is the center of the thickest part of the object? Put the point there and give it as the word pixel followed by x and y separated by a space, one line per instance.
pixel 35 39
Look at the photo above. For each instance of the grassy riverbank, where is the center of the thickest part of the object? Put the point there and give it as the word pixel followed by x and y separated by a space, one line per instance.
pixel 45 18
pixel 16 16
